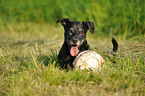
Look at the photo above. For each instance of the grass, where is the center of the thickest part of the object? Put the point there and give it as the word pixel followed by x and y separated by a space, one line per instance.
pixel 29 65
pixel 30 41
pixel 110 17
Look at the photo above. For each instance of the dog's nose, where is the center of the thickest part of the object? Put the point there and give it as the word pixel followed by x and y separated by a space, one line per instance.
pixel 74 41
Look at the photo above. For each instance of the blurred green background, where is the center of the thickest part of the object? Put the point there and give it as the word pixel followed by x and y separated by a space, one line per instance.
pixel 117 17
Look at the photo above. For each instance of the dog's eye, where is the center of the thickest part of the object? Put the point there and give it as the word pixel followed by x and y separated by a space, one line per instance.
pixel 69 31
pixel 81 31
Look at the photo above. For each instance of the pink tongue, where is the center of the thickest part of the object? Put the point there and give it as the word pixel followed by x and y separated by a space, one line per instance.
pixel 74 51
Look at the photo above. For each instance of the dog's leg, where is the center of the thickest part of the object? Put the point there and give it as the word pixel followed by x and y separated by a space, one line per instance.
pixel 65 59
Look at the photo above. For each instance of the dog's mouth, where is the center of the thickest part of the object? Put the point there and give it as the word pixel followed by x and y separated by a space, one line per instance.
pixel 74 50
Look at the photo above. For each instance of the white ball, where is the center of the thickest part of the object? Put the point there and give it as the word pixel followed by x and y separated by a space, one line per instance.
pixel 88 60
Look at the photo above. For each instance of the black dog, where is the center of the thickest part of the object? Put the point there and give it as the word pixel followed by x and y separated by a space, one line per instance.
pixel 75 40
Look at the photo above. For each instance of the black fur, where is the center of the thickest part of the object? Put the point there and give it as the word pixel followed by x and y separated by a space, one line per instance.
pixel 115 44
pixel 75 35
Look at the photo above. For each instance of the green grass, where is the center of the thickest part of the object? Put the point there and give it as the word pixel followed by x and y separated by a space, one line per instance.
pixel 121 17
pixel 29 65
pixel 30 41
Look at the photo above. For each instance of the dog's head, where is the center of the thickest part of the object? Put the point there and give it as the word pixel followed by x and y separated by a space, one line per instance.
pixel 75 33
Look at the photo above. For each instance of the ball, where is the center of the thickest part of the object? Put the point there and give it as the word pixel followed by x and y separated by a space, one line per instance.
pixel 89 60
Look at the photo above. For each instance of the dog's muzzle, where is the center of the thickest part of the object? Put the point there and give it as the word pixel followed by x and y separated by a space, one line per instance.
pixel 74 44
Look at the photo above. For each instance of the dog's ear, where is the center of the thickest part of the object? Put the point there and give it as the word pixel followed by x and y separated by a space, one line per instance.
pixel 89 25
pixel 64 21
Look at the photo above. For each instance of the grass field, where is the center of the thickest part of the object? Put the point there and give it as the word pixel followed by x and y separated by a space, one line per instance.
pixel 29 65
pixel 30 41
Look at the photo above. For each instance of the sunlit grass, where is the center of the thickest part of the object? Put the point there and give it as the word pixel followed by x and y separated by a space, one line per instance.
pixel 123 17
pixel 30 41
pixel 29 65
